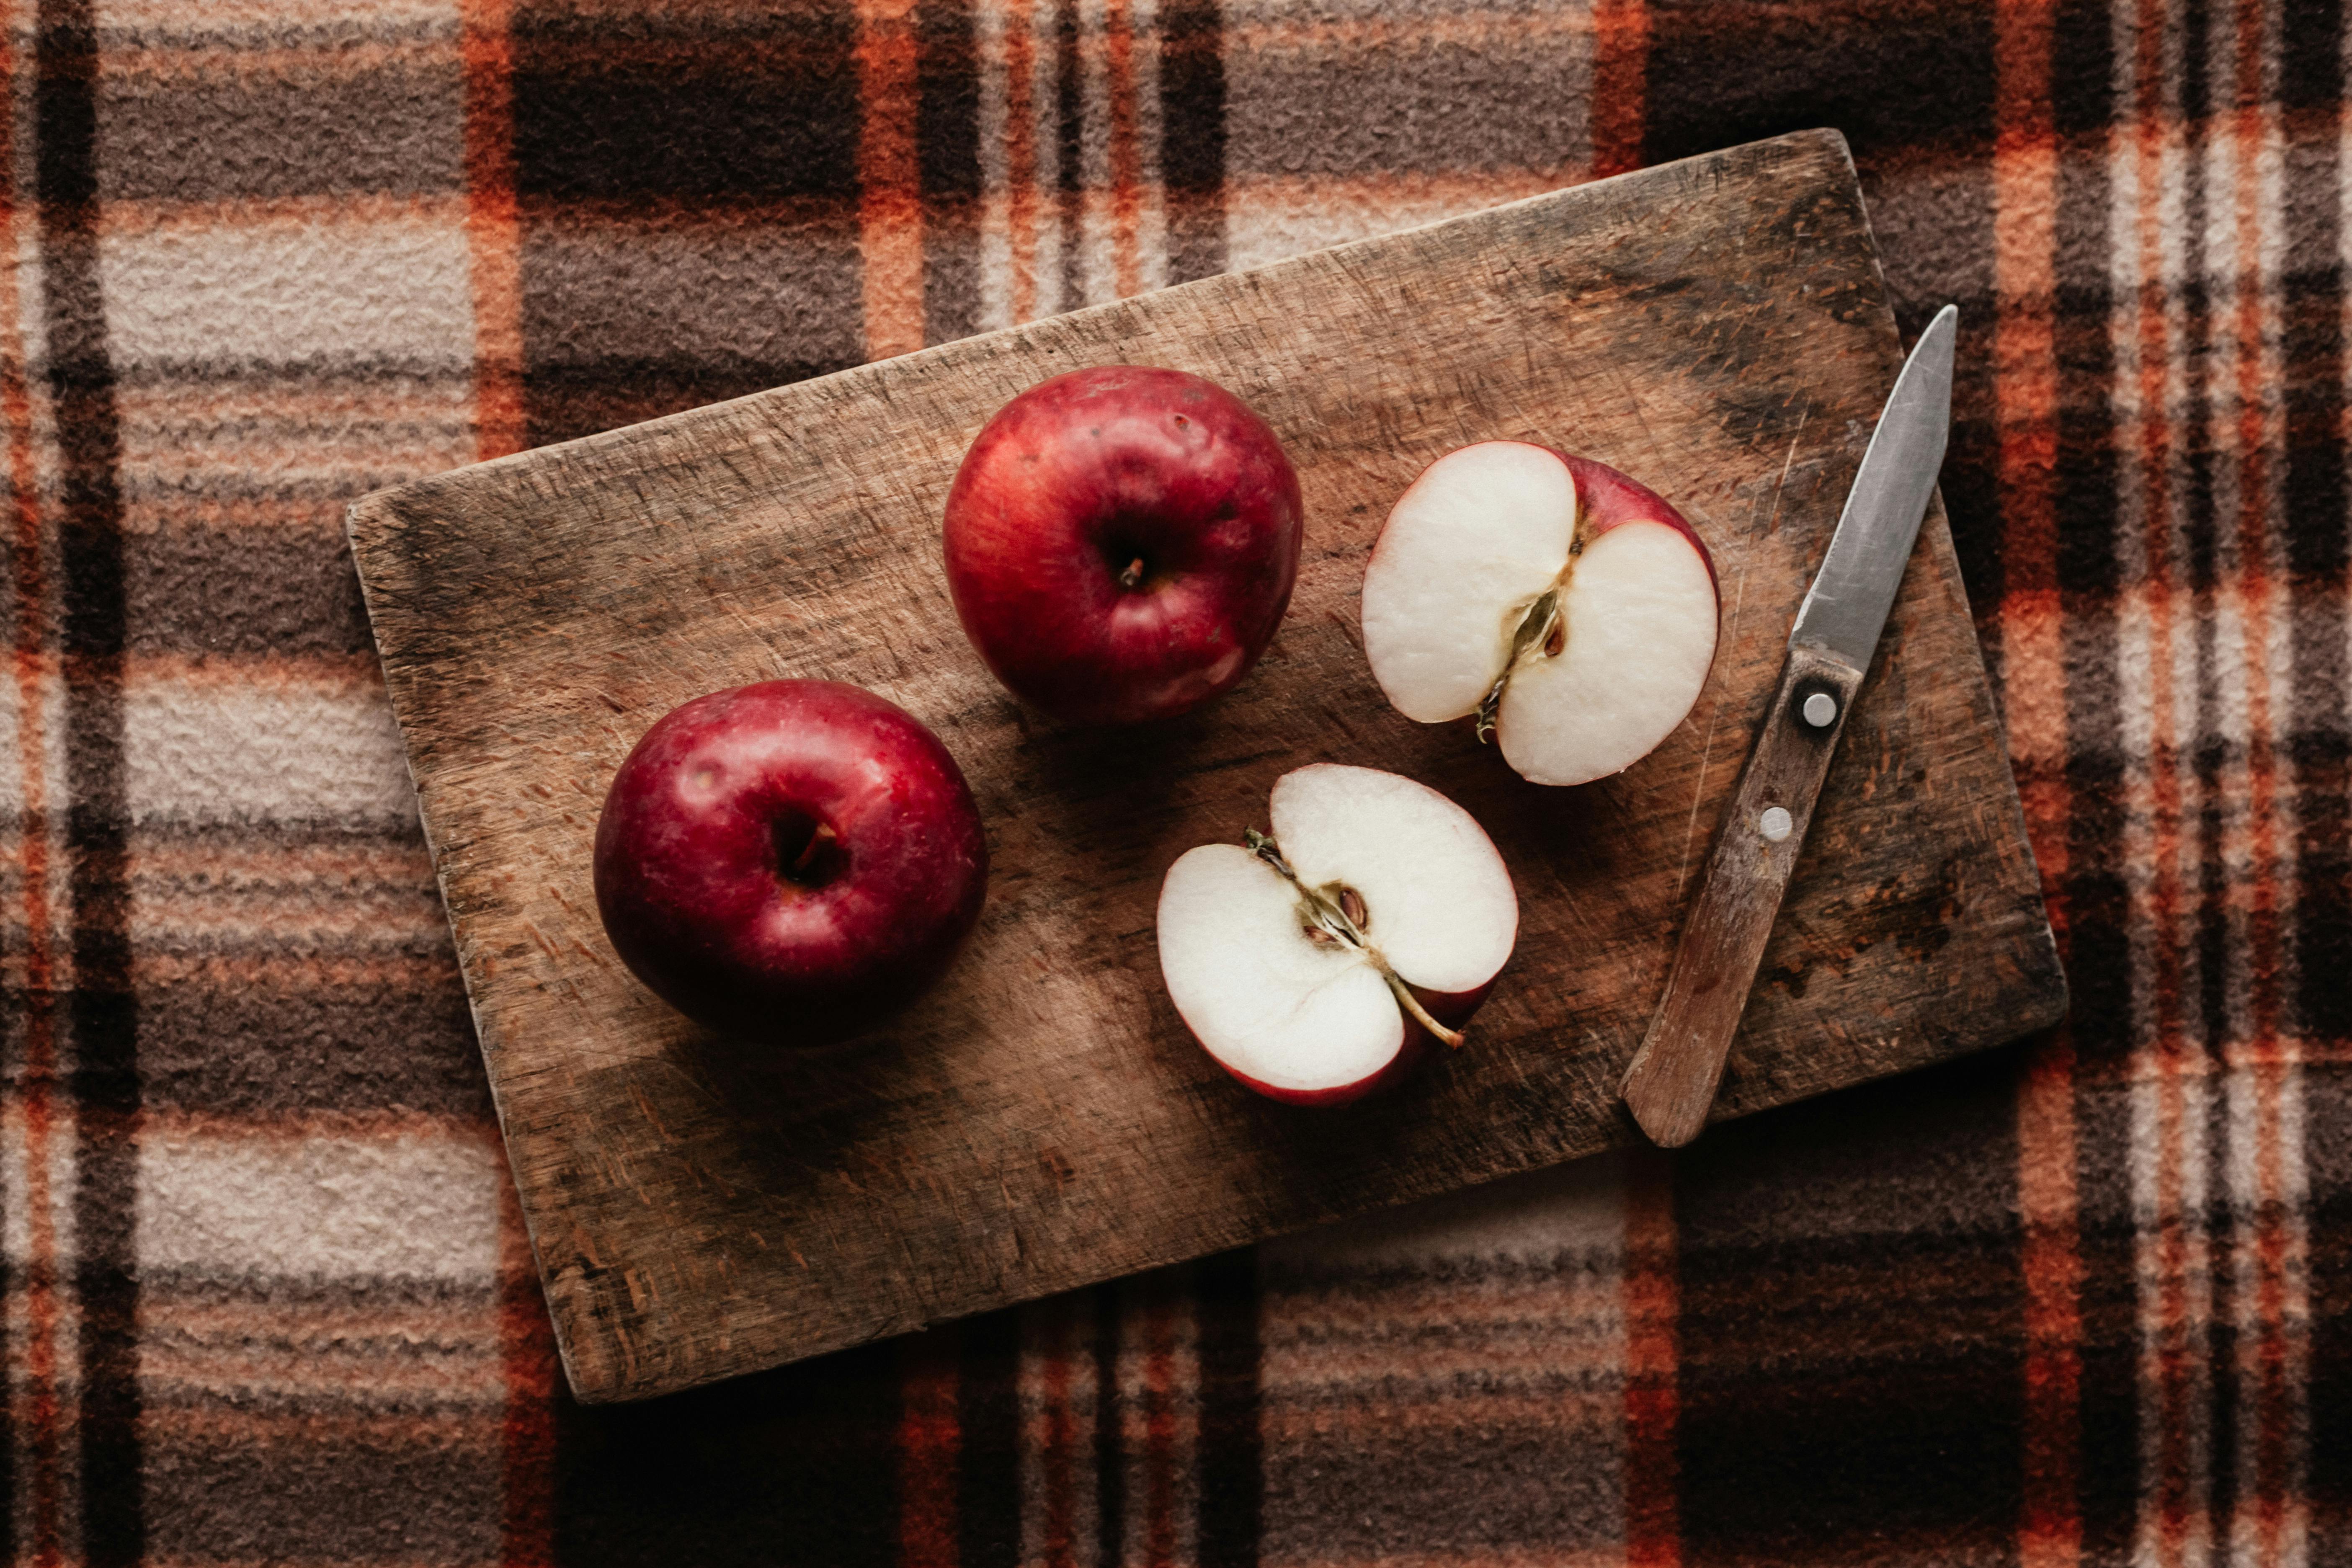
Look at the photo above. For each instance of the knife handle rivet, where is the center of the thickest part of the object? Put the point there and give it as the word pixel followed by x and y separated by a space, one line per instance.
pixel 1821 709
pixel 1776 824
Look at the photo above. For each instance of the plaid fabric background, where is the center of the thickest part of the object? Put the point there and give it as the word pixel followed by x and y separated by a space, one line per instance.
pixel 265 1296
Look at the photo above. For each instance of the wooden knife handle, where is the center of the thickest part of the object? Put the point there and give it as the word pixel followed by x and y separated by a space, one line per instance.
pixel 1671 1083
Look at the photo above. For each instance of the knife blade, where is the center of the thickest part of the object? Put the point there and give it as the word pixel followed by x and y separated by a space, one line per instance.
pixel 1671 1083
pixel 1852 592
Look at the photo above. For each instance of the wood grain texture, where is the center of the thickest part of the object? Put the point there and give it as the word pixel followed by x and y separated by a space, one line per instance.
pixel 1671 1083
pixel 1717 328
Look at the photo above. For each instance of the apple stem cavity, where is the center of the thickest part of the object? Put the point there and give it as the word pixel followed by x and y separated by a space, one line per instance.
pixel 804 850
pixel 1340 915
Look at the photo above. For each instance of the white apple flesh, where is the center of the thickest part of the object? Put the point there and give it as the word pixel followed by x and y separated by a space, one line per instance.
pixel 1313 966
pixel 1571 609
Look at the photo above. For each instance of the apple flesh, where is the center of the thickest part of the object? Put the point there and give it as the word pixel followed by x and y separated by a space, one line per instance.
pixel 1572 610
pixel 787 862
pixel 1316 964
pixel 1121 542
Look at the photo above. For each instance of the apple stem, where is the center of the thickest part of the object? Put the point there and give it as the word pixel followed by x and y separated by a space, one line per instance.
pixel 817 845
pixel 1330 915
pixel 1536 631
pixel 1411 1004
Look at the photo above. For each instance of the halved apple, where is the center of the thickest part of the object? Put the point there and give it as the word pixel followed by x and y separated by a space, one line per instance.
pixel 1313 964
pixel 1570 609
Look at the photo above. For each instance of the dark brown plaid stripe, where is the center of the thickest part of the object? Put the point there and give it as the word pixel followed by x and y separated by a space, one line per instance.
pixel 266 1298
pixel 99 1064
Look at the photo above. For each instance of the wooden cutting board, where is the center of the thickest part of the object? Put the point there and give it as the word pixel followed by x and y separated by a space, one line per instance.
pixel 1717 328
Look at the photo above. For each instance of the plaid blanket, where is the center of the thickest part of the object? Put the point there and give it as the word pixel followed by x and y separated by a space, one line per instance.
pixel 266 1297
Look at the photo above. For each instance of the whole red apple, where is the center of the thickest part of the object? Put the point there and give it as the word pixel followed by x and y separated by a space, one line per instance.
pixel 789 861
pixel 1121 542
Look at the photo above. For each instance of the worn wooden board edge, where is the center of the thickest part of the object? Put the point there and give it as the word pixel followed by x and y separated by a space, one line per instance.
pixel 375 518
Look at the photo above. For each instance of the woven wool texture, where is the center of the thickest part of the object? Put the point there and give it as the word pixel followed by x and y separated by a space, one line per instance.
pixel 266 1299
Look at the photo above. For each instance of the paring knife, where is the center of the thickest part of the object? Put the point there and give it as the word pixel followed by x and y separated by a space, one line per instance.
pixel 1672 1080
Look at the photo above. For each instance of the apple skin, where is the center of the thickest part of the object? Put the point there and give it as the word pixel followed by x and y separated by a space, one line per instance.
pixel 1609 498
pixel 1402 1066
pixel 1084 474
pixel 690 851
pixel 1452 1009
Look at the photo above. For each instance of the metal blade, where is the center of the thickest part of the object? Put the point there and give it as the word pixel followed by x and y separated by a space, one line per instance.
pixel 1850 595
